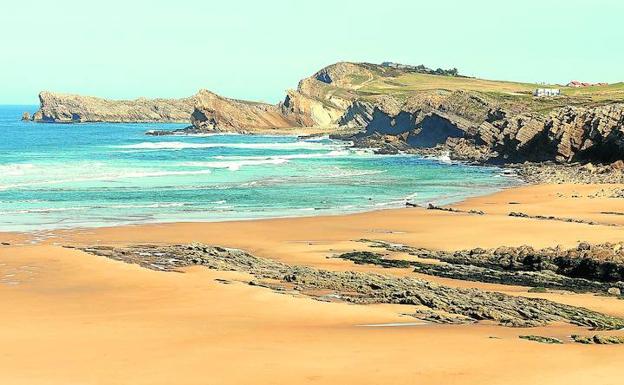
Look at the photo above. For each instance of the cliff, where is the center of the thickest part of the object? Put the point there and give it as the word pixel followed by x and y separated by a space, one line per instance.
pixel 67 108
pixel 215 113
pixel 399 107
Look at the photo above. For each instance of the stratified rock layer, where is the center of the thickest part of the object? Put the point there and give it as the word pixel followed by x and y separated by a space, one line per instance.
pixel 215 113
pixel 66 108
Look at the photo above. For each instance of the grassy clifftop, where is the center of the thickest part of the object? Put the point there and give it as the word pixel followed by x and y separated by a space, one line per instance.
pixel 369 80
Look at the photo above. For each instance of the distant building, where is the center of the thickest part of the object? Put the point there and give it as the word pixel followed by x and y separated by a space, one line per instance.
pixel 398 65
pixel 543 92
pixel 577 84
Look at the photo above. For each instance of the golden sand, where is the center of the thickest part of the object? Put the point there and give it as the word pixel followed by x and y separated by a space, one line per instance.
pixel 74 318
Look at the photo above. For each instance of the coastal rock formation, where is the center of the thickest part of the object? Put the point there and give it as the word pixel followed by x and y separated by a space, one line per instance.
pixel 595 268
pixel 215 113
pixel 315 103
pixel 464 118
pixel 568 134
pixel 463 305
pixel 66 108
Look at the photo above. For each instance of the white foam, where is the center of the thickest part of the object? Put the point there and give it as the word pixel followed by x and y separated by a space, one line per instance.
pixel 316 155
pixel 317 138
pixel 303 145
pixel 106 177
pixel 147 206
pixel 42 210
pixel 236 165
pixel 16 169
pixel 411 196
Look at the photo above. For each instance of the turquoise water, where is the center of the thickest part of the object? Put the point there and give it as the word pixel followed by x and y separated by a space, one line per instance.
pixel 84 175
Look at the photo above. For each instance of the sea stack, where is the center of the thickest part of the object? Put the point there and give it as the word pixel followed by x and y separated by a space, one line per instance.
pixel 26 116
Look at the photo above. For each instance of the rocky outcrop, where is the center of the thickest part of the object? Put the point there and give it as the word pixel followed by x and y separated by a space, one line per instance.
pixel 315 103
pixel 459 305
pixel 568 134
pixel 594 268
pixel 66 108
pixel 215 113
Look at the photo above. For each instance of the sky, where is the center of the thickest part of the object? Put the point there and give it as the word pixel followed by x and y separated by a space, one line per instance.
pixel 257 49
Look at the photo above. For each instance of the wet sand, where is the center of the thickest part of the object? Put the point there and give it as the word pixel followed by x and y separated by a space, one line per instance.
pixel 73 318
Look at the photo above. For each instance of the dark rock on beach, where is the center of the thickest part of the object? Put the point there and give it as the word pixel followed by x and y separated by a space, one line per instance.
pixel 467 305
pixel 587 268
pixel 541 339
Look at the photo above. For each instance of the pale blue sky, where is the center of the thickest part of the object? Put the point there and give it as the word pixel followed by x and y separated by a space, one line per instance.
pixel 257 49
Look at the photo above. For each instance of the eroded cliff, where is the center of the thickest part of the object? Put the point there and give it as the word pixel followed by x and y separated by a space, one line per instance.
pixel 67 108
pixel 398 108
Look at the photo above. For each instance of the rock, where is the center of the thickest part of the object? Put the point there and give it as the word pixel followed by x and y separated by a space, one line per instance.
pixel 583 246
pixel 66 108
pixel 617 165
pixel 216 113
pixel 598 339
pixel 540 339
pixel 26 116
pixel 593 270
pixel 461 125
pixel 464 305
pixel 614 291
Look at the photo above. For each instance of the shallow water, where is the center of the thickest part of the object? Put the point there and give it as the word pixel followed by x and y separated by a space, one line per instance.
pixel 84 175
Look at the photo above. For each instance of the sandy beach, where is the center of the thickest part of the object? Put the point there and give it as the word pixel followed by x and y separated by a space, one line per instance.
pixel 70 317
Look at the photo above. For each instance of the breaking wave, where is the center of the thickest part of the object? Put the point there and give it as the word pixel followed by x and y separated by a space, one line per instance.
pixel 301 145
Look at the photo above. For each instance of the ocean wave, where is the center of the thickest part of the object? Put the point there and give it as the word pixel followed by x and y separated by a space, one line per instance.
pixel 144 206
pixel 411 196
pixel 236 165
pixel 316 155
pixel 390 203
pixel 317 138
pixel 300 145
pixel 16 169
pixel 42 210
pixel 196 134
pixel 106 177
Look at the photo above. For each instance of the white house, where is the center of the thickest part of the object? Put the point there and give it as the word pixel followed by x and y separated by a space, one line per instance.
pixel 543 92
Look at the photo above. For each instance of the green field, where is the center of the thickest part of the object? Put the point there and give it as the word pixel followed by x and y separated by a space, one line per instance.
pixel 407 84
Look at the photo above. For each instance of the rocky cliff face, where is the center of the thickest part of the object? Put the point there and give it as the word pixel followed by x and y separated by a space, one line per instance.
pixel 500 126
pixel 65 108
pixel 569 134
pixel 215 113
pixel 318 101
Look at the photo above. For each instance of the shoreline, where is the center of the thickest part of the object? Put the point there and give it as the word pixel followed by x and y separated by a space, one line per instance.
pixel 461 209
pixel 98 307
pixel 326 213
pixel 515 180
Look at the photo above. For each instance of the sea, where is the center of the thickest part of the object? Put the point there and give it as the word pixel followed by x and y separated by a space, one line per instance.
pixel 58 176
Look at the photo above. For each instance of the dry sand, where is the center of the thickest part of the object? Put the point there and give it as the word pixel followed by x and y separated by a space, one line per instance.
pixel 74 318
